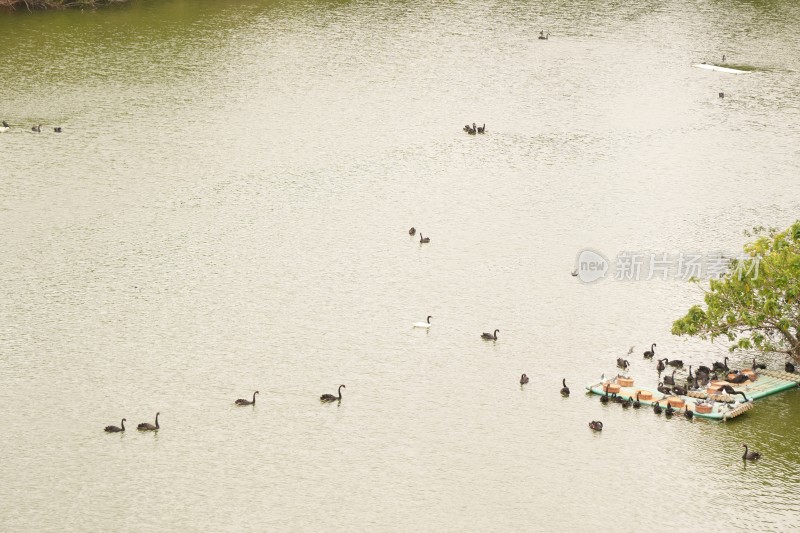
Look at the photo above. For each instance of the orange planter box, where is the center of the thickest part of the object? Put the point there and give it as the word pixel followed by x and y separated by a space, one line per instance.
pixel 713 389
pixel 611 388
pixel 676 403
pixel 750 374
pixel 703 408
pixel 625 382
pixel 644 395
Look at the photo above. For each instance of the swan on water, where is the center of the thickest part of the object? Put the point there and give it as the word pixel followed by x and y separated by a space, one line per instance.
pixel 115 429
pixel 331 397
pixel 242 401
pixel 425 325
pixel 145 426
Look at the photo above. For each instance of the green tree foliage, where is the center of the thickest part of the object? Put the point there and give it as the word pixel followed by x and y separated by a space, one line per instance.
pixel 756 305
pixel 55 4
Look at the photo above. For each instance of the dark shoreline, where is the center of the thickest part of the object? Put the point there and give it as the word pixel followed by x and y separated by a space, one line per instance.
pixel 39 5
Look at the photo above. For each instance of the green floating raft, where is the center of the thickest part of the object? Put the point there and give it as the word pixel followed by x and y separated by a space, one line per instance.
pixel 723 406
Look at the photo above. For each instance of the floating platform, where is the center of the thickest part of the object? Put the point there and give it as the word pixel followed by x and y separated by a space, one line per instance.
pixel 721 406
pixel 720 410
pixel 767 382
pixel 718 68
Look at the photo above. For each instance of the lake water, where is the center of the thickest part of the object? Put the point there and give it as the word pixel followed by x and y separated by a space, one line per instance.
pixel 227 210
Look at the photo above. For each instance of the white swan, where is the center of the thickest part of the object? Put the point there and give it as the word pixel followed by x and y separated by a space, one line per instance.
pixel 5 127
pixel 425 325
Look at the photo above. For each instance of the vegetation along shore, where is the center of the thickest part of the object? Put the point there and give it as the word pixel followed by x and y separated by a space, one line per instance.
pixel 54 4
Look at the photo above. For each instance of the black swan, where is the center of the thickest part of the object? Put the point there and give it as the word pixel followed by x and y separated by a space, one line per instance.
pixel 627 403
pixel 490 336
pixel 574 273
pixel 662 389
pixel 722 95
pixel 115 429
pixel 759 366
pixel 670 380
pixel 637 404
pixel 412 231
pixel 669 410
pixel 622 363
pixel 524 379
pixel 424 239
pixel 651 352
pixel 596 425
pixel 661 366
pixel 720 366
pixel 57 129
pixel 564 389
pixel 690 377
pixel 331 397
pixel 482 129
pixel 657 408
pixel 789 367
pixel 677 363
pixel 704 370
pixel 37 129
pixel 743 395
pixel 145 426
pixel 727 389
pixel 688 414
pixel 748 455
pixel 604 399
pixel 739 378
pixel 240 401
pixel 680 391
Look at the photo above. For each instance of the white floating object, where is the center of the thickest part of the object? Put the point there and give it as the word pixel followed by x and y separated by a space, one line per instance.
pixel 718 68
pixel 425 325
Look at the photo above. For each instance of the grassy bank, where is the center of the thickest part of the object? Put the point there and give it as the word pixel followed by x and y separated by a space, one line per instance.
pixel 54 4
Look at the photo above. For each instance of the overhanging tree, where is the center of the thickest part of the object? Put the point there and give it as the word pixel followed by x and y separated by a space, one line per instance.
pixel 756 304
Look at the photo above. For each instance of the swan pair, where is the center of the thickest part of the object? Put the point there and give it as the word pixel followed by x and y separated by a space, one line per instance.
pixel 144 426
pixel 413 231
pixel 472 130
pixel 37 128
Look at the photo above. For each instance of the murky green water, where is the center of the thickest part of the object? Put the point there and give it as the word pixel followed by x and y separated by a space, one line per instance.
pixel 226 210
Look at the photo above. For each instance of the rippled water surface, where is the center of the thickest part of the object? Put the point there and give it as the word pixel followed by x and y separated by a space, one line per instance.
pixel 227 210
